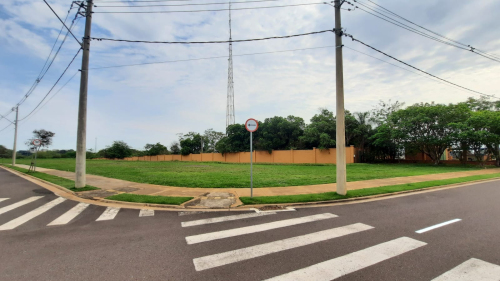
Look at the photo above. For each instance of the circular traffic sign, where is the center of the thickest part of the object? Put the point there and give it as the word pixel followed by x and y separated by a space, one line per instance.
pixel 251 125
pixel 37 142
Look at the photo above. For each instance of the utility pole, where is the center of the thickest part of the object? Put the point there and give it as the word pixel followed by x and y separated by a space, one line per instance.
pixel 15 138
pixel 81 145
pixel 341 162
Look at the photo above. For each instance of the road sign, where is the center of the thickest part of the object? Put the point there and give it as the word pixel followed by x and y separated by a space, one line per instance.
pixel 251 125
pixel 36 142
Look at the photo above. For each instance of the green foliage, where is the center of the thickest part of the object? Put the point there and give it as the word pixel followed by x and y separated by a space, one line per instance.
pixel 5 152
pixel 44 136
pixel 321 132
pixel 175 148
pixel 278 133
pixel 191 143
pixel 237 139
pixel 118 150
pixel 155 149
pixel 212 138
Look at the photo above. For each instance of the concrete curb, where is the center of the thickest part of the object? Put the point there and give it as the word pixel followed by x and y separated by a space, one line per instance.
pixel 105 202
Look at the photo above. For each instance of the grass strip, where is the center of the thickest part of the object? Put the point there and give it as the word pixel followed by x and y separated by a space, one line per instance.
pixel 327 196
pixel 127 197
pixel 68 184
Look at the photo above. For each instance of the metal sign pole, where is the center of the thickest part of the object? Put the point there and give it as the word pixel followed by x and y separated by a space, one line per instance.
pixel 36 152
pixel 251 167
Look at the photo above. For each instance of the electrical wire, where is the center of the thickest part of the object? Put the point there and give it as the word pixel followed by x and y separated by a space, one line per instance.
pixel 455 44
pixel 5 128
pixel 63 22
pixel 69 80
pixel 180 5
pixel 220 57
pixel 209 42
pixel 414 72
pixel 52 88
pixel 214 10
pixel 385 54
pixel 130 1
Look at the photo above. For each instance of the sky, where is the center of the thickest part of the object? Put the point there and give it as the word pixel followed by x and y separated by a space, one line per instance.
pixel 155 102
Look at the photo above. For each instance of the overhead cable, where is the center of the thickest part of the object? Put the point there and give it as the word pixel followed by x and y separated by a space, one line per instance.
pixel 180 5
pixel 63 22
pixel 385 54
pixel 213 10
pixel 207 58
pixel 55 84
pixel 209 42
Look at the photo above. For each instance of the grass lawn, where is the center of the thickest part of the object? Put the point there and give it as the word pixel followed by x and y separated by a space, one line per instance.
pixel 127 197
pixel 69 184
pixel 360 192
pixel 224 175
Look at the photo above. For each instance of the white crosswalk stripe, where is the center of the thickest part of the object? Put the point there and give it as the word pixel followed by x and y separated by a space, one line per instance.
pixel 223 219
pixel 108 214
pixel 146 213
pixel 255 228
pixel 472 270
pixel 3 199
pixel 335 268
pixel 19 204
pixel 69 215
pixel 30 215
pixel 277 246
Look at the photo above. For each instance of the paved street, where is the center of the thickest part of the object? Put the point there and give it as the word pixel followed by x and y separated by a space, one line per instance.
pixel 442 235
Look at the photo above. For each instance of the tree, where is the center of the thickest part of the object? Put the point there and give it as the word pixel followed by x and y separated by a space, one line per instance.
pixel 118 150
pixel 212 138
pixel 155 149
pixel 175 148
pixel 321 132
pixel 380 114
pixel 44 136
pixel 427 127
pixel 363 131
pixel 191 143
pixel 5 152
pixel 279 133
pixel 237 139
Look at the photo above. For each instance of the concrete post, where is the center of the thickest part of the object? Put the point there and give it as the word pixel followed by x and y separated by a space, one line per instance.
pixel 341 161
pixel 81 140
pixel 15 138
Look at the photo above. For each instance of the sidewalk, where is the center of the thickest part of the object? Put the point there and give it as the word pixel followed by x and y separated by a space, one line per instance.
pixel 150 189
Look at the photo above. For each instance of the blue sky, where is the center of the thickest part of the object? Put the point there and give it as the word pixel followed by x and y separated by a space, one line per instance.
pixel 153 103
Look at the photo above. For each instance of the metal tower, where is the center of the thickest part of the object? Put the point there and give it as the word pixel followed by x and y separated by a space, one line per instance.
pixel 230 83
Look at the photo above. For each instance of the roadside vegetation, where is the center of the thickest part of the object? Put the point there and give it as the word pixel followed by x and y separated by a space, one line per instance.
pixel 331 196
pixel 226 175
pixel 127 197
pixel 69 184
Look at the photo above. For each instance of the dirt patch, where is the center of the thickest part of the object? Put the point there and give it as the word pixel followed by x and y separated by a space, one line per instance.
pixel 272 208
pixel 96 193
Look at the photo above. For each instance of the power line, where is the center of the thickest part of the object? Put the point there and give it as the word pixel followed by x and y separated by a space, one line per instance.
pixel 5 128
pixel 179 5
pixel 414 72
pixel 63 22
pixel 207 58
pixel 385 54
pixel 209 42
pixel 452 42
pixel 214 10
pixel 58 79
pixel 131 1
pixel 69 80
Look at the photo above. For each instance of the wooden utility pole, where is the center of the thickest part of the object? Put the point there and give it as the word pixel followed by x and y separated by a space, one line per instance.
pixel 340 141
pixel 81 141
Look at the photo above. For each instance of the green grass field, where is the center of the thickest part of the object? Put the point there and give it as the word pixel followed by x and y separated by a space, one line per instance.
pixel 224 175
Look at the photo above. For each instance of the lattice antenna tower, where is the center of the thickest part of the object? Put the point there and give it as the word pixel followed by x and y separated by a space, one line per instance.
pixel 230 83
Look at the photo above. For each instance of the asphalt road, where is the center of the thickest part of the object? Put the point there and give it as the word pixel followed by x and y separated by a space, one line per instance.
pixel 366 241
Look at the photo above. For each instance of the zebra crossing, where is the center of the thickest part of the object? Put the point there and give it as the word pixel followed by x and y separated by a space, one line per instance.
pixel 473 269
pixel 109 213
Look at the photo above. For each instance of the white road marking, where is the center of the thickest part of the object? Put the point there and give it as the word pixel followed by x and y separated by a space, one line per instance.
pixel 436 226
pixel 28 216
pixel 69 215
pixel 108 214
pixel 255 228
pixel 223 219
pixel 19 204
pixel 3 199
pixel 146 213
pixel 338 267
pixel 472 270
pixel 277 246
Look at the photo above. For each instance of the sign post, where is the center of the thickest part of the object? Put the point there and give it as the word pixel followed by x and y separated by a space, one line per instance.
pixel 251 125
pixel 36 143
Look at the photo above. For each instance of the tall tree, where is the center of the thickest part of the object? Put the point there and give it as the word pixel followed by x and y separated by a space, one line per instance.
pixel 44 136
pixel 118 150
pixel 212 138
pixel 191 143
pixel 155 149
pixel 237 139
pixel 279 133
pixel 320 133
pixel 175 148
